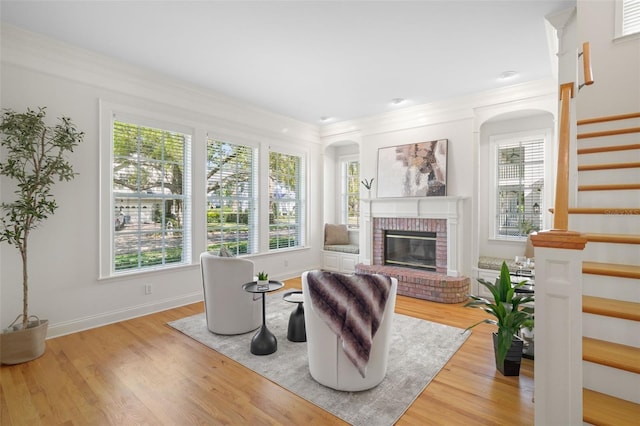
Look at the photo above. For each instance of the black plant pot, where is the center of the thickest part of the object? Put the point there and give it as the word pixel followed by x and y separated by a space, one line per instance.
pixel 511 364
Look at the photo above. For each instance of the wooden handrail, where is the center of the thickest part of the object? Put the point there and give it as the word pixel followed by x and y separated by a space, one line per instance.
pixel 561 215
pixel 586 63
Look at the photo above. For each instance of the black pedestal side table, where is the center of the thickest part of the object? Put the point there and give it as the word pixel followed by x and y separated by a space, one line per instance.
pixel 296 331
pixel 264 342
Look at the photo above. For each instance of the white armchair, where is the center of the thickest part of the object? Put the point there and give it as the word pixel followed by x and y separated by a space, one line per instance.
pixel 329 365
pixel 228 308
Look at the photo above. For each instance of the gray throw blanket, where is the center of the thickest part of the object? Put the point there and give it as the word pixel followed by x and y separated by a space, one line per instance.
pixel 352 307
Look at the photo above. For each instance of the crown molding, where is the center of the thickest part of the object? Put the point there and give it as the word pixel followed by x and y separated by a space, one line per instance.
pixel 48 56
pixel 456 109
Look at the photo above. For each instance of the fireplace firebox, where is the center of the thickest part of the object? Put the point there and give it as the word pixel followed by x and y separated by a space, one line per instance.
pixel 411 249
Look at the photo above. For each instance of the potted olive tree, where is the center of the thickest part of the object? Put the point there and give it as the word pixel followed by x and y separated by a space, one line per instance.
pixel 34 158
pixel 510 316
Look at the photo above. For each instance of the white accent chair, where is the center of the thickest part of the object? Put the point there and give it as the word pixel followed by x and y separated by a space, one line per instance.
pixel 228 308
pixel 328 363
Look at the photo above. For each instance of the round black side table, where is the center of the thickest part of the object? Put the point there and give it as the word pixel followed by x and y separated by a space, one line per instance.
pixel 264 342
pixel 296 331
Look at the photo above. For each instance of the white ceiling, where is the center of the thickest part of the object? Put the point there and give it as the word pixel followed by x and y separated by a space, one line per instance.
pixel 312 59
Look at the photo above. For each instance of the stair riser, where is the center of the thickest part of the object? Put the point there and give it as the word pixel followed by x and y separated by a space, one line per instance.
pixel 627 254
pixel 611 288
pixel 616 330
pixel 619 198
pixel 618 383
pixel 605 224
pixel 625 139
pixel 627 156
pixel 603 177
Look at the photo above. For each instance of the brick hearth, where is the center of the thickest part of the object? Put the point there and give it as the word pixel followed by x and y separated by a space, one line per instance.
pixel 422 284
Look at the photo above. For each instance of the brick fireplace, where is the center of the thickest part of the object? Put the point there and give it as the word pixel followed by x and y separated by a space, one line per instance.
pixel 439 215
pixel 437 226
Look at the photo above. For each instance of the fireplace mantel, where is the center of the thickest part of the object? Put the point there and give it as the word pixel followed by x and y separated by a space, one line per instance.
pixel 448 208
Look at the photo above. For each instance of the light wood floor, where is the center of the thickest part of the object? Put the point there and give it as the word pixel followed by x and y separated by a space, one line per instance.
pixel 143 372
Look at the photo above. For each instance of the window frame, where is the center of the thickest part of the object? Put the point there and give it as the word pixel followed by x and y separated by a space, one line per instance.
pixel 301 200
pixel 620 34
pixel 344 162
pixel 495 142
pixel 109 113
pixel 254 213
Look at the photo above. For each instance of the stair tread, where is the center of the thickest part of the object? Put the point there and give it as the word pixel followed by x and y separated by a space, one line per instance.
pixel 611 308
pixel 612 238
pixel 611 354
pixel 607 166
pixel 609 187
pixel 601 409
pixel 612 148
pixel 611 269
pixel 602 210
pixel 607 118
pixel 614 132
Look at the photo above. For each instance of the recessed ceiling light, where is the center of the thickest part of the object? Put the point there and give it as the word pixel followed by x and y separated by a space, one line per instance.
pixel 507 75
pixel 397 101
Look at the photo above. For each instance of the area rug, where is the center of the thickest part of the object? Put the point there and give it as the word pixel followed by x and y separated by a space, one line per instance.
pixel 419 350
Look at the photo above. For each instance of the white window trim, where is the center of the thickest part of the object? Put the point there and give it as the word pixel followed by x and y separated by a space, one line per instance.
pixel 107 112
pixel 494 142
pixel 263 196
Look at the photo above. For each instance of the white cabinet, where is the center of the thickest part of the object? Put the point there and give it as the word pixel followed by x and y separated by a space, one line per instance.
pixel 487 275
pixel 339 262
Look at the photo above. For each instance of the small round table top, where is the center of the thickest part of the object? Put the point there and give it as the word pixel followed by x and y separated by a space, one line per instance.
pixel 252 287
pixel 293 296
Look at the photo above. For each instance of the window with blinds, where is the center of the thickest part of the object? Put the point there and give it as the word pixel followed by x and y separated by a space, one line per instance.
pixel 627 17
pixel 350 197
pixel 286 201
pixel 150 197
pixel 519 187
pixel 231 197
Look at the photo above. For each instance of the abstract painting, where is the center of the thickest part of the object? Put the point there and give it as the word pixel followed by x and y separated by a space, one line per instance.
pixel 413 170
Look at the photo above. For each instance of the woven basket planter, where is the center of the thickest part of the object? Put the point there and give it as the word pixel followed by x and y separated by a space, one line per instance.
pixel 18 345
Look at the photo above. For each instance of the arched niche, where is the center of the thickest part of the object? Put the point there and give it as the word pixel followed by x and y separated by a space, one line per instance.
pixel 335 150
pixel 509 123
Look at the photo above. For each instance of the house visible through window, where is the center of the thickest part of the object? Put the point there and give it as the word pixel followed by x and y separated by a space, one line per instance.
pixel 286 200
pixel 231 197
pixel 350 194
pixel 150 197
pixel 519 186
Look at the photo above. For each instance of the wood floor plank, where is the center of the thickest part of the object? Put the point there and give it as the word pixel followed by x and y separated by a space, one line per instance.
pixel 142 371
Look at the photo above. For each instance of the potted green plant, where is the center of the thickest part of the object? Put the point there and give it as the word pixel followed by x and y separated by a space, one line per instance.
pixel 510 316
pixel 263 281
pixel 35 159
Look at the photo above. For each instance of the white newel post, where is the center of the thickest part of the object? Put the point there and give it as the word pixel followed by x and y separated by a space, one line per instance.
pixel 558 328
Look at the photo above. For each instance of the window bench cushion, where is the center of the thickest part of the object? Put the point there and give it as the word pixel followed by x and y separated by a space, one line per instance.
pixel 343 248
pixel 495 263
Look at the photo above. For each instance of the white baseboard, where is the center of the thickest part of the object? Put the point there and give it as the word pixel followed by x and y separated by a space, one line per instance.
pixel 105 318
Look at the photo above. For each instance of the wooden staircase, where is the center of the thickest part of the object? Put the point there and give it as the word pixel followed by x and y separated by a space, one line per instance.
pixel 608 214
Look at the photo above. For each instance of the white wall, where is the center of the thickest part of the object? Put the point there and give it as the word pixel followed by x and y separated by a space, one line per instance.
pixel 615 63
pixel 64 255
